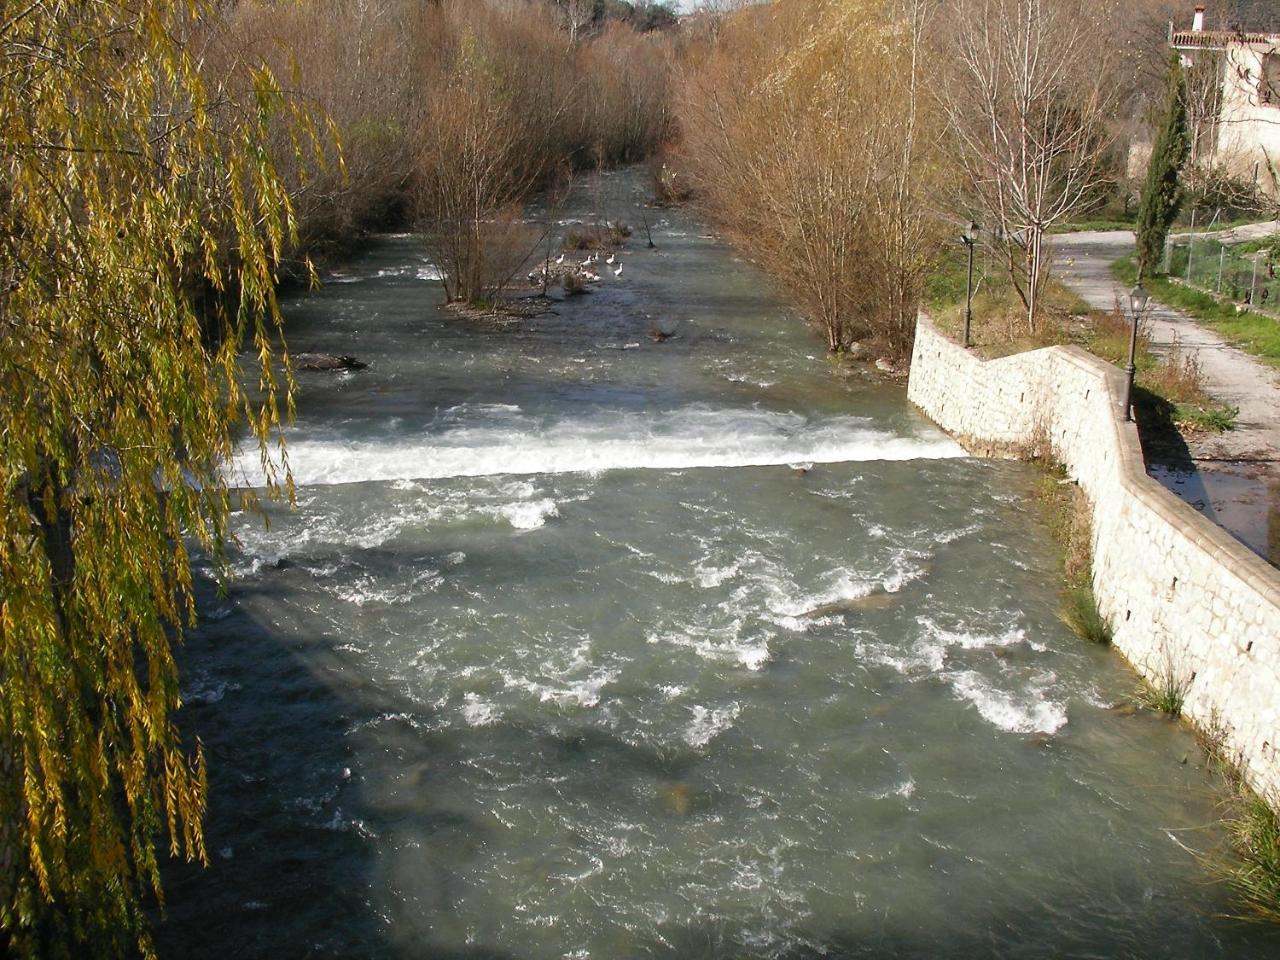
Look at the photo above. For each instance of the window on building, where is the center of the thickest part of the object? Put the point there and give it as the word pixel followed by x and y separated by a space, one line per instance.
pixel 1269 81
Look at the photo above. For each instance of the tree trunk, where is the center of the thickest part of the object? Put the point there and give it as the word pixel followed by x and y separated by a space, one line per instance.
pixel 1035 265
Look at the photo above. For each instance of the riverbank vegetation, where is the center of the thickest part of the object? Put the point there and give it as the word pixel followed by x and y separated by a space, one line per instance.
pixel 1252 869
pixel 1067 512
pixel 452 115
pixel 1003 112
pixel 830 193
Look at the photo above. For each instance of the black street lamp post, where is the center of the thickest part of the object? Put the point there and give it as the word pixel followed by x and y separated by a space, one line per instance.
pixel 1138 298
pixel 970 240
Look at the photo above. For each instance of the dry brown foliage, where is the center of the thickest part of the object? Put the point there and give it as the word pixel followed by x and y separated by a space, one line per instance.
pixel 451 113
pixel 1178 377
pixel 807 139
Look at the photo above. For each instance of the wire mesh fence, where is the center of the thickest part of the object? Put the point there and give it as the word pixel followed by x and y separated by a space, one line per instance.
pixel 1238 273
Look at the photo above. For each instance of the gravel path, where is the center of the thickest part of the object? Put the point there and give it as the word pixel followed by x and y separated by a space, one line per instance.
pixel 1237 473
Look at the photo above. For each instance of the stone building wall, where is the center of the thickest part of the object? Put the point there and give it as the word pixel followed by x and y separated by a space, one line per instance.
pixel 1183 598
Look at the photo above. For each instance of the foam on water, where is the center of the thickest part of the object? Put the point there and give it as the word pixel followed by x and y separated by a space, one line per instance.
pixel 519 504
pixel 709 722
pixel 529 515
pixel 717 638
pixel 1025 711
pixel 562 681
pixel 477 711
pixel 487 442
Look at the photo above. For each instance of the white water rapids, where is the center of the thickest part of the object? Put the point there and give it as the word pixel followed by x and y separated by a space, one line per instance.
pixel 476 440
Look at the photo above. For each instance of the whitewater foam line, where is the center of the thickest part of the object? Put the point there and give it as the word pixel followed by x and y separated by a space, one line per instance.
pixel 514 444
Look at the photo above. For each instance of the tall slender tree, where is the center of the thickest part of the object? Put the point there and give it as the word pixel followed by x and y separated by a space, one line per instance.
pixel 1162 192
pixel 142 222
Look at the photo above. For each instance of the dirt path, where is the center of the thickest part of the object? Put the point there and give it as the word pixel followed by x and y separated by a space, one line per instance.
pixel 1234 477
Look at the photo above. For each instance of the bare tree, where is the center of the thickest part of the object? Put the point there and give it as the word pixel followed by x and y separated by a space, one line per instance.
pixel 713 13
pixel 576 16
pixel 826 189
pixel 473 170
pixel 1028 109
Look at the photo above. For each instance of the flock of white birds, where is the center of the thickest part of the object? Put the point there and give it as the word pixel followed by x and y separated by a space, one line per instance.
pixel 584 267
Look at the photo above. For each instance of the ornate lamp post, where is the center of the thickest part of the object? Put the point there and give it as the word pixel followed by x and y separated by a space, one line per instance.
pixel 1138 298
pixel 970 239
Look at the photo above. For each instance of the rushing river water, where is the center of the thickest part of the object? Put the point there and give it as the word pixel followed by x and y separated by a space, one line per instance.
pixel 528 672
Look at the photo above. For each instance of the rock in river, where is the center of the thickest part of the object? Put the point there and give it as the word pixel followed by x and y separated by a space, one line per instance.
pixel 325 361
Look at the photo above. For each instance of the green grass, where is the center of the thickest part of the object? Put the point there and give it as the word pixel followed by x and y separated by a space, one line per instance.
pixel 1166 694
pixel 1079 611
pixel 1251 332
pixel 1211 419
pixel 1088 225
pixel 1256 246
pixel 1254 829
pixel 1252 866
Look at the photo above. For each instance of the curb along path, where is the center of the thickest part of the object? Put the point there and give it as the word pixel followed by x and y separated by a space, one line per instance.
pixel 1236 475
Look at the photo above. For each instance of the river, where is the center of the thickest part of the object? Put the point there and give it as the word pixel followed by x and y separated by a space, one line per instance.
pixel 527 673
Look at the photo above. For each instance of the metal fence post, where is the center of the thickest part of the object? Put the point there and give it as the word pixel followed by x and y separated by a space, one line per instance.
pixel 1191 243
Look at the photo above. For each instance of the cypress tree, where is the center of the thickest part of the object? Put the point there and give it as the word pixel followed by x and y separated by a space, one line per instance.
pixel 1162 194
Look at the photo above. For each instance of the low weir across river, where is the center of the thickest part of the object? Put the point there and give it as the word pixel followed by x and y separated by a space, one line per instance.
pixel 533 669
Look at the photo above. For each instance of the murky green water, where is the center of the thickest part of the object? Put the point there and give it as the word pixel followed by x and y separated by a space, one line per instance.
pixel 528 674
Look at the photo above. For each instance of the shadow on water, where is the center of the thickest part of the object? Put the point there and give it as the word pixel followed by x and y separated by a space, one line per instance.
pixel 300 852
pixel 288 829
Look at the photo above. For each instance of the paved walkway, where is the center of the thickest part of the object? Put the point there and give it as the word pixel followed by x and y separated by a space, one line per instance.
pixel 1236 475
pixel 1242 233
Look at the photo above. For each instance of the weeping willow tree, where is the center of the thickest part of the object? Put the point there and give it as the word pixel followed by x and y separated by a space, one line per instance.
pixel 141 224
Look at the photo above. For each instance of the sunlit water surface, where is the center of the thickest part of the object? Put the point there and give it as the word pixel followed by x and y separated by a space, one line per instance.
pixel 528 672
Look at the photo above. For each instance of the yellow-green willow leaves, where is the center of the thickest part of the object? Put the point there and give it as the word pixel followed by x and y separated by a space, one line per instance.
pixel 141 225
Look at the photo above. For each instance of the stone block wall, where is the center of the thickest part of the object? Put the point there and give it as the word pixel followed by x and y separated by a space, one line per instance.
pixel 1184 599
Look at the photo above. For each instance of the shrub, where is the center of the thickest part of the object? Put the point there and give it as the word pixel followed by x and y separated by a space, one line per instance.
pixel 1177 376
pixel 826 190
pixel 1108 337
pixel 406 84
pixel 597 236
pixel 1080 613
pixel 670 186
pixel 1166 693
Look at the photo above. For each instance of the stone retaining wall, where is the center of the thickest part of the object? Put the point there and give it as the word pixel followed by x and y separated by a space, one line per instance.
pixel 1183 597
